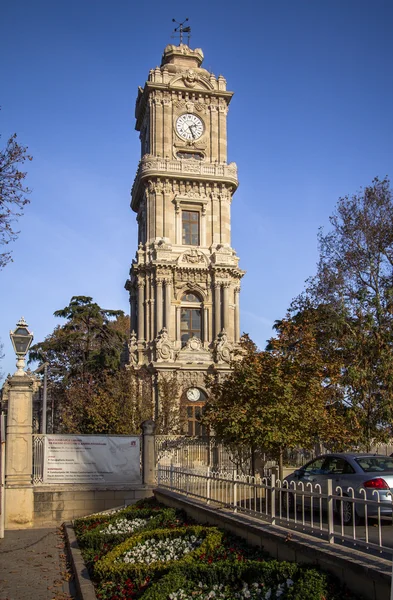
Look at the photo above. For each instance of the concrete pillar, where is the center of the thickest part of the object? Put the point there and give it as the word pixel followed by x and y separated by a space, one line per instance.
pixel 148 453
pixel 217 309
pixel 141 310
pixel 19 496
pixel 159 306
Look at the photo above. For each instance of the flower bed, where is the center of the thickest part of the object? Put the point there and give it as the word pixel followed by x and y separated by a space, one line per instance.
pixel 149 552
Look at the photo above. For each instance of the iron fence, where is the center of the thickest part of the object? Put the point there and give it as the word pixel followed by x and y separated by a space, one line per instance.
pixel 38 458
pixel 296 506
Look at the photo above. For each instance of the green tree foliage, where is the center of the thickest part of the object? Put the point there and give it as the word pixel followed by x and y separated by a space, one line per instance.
pixel 279 398
pixel 354 287
pixel 88 344
pixel 117 404
pixel 13 192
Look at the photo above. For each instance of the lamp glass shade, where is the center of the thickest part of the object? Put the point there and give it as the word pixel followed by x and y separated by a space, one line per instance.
pixel 21 339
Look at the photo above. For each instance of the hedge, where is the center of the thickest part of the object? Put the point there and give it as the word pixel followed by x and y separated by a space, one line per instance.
pixel 108 568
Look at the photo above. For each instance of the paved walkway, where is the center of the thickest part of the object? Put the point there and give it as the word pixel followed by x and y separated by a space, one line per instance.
pixel 33 566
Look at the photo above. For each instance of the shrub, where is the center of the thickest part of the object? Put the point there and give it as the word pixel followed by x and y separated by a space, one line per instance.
pixel 95 537
pixel 110 567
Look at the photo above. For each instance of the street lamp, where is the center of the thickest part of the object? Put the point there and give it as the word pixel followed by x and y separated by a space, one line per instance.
pixel 21 340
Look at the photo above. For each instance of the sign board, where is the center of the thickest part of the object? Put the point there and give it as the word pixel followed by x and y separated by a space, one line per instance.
pixel 92 459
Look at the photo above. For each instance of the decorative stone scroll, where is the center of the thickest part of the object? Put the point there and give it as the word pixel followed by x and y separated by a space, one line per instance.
pixel 223 348
pixel 164 347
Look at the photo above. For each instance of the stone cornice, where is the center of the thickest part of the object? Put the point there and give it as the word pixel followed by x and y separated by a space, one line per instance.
pixel 151 167
pixel 150 86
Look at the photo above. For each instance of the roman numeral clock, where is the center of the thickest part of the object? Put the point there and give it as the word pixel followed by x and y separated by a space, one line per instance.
pixel 184 282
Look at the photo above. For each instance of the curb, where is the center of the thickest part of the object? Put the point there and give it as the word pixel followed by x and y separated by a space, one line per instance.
pixel 83 582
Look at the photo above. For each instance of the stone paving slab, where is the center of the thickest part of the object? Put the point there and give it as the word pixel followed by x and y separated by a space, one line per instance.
pixel 33 566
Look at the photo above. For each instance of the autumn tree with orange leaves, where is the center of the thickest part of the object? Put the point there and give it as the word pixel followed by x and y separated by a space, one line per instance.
pixel 280 398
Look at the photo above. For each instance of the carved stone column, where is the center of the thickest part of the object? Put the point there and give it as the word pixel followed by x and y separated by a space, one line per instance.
pixel 205 326
pixel 168 306
pixel 226 315
pixel 159 305
pixel 203 225
pixel 133 310
pixel 19 500
pixel 178 236
pixel 237 314
pixel 141 310
pixel 217 309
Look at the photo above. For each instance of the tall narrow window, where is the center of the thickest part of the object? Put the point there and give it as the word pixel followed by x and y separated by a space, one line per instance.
pixel 194 426
pixel 190 324
pixel 190 224
pixel 190 317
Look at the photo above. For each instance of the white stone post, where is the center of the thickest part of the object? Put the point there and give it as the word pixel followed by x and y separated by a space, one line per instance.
pixel 148 453
pixel 19 496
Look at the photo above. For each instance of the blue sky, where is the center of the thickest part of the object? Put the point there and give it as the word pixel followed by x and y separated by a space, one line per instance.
pixel 311 120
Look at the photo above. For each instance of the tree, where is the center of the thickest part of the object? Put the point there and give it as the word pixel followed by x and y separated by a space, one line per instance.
pixel 13 192
pixel 89 343
pixel 355 281
pixel 278 398
pixel 117 404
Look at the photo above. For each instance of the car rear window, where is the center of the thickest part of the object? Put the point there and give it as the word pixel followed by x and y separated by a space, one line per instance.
pixel 375 464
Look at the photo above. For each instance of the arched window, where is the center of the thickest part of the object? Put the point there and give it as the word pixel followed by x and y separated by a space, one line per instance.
pixel 194 400
pixel 190 317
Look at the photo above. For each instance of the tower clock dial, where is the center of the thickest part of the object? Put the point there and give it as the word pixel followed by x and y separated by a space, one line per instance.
pixel 189 127
pixel 193 394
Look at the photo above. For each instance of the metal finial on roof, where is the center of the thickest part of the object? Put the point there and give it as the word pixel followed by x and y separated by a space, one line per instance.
pixel 180 29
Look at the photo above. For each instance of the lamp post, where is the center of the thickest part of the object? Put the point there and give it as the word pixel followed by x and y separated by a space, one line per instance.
pixel 21 340
pixel 19 498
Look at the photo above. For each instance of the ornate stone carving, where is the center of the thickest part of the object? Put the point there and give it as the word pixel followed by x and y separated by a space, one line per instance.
pixel 133 349
pixel 193 256
pixel 164 347
pixel 193 344
pixel 223 348
pixel 194 352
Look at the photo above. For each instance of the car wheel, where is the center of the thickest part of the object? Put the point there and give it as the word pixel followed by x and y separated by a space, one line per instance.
pixel 347 512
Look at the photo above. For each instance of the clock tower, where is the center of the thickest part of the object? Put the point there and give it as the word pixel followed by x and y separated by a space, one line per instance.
pixel 184 282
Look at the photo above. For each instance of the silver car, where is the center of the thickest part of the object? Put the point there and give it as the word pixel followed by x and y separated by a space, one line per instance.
pixel 368 472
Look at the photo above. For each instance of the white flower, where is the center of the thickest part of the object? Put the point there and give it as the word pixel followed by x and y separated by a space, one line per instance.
pixel 289 582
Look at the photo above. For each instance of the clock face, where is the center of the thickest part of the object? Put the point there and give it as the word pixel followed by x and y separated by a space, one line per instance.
pixel 193 394
pixel 189 127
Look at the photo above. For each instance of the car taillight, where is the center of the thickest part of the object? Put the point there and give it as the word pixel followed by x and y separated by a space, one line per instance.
pixel 376 484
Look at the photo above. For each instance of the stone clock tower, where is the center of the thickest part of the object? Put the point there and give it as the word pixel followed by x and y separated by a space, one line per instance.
pixel 185 281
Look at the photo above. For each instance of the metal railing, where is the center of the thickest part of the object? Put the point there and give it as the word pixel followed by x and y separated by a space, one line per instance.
pixel 294 506
pixel 38 458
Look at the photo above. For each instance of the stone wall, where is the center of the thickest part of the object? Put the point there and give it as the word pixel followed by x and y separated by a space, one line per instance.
pixel 55 504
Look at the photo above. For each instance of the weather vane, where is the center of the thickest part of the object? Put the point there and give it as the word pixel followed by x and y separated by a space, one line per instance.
pixel 180 29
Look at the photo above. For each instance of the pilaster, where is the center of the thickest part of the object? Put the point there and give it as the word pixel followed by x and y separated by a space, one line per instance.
pixel 19 457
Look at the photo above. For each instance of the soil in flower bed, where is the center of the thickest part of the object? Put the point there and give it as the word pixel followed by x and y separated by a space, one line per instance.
pixel 150 552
